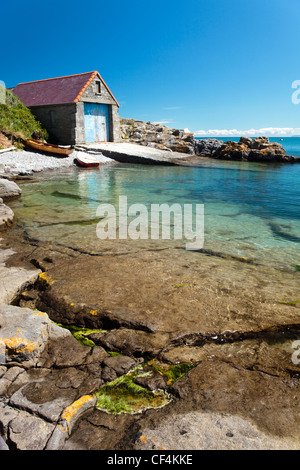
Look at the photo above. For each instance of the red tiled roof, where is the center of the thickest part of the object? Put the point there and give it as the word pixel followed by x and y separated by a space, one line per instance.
pixel 56 90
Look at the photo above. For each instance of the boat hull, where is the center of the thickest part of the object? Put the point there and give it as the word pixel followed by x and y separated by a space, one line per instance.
pixel 48 148
pixel 87 164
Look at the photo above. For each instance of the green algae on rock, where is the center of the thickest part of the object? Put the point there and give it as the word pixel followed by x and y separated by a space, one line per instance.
pixel 289 302
pixel 171 372
pixel 122 395
pixel 81 334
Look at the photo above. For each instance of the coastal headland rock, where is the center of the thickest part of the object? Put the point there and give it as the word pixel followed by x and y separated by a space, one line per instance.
pixel 155 135
pixel 253 150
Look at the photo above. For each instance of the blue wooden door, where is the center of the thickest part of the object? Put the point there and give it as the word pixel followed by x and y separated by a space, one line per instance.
pixel 96 122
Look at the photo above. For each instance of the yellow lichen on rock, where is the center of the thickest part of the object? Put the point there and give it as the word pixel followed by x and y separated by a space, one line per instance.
pixel 19 345
pixel 40 314
pixel 73 409
pixel 46 279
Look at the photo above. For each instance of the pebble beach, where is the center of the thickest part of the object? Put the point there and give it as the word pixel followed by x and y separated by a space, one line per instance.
pixel 23 162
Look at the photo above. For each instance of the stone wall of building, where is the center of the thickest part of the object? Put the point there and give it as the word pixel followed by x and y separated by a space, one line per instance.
pixel 59 120
pixel 91 95
pixel 116 137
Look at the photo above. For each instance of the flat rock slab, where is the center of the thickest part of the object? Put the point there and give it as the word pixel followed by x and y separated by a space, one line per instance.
pixel 149 306
pixel 26 432
pixel 133 153
pixel 13 279
pixel 200 430
pixel 221 407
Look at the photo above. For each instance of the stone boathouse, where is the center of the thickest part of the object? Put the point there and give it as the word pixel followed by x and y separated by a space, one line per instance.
pixel 75 109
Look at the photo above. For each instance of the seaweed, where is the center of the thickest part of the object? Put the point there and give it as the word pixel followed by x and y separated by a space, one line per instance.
pixel 122 395
pixel 171 372
pixel 81 334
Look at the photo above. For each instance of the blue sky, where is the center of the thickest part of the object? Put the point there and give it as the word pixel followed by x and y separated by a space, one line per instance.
pixel 207 66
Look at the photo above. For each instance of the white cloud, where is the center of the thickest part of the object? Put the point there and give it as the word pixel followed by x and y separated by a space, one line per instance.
pixel 265 131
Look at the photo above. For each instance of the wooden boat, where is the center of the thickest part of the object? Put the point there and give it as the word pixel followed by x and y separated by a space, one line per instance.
pixel 48 148
pixel 87 161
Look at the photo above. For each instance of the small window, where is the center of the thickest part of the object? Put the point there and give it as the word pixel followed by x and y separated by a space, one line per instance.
pixel 98 88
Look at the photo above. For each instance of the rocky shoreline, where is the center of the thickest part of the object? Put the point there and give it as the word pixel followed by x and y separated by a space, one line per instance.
pixel 147 352
pixel 199 364
pixel 182 141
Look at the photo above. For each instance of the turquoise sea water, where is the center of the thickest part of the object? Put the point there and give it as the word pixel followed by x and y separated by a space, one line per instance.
pixel 251 209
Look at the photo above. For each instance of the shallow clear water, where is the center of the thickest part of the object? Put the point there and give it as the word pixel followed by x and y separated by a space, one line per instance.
pixel 251 210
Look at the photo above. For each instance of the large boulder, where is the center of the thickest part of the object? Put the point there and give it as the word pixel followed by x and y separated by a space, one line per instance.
pixel 6 216
pixel 9 189
pixel 23 334
pixel 207 147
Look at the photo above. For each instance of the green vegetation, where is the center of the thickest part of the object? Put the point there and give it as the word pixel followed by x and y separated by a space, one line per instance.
pixel 122 395
pixel 182 285
pixel 289 302
pixel 296 267
pixel 171 372
pixel 81 334
pixel 16 120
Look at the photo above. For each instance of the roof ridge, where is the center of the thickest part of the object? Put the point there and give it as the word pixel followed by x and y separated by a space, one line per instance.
pixel 57 78
pixel 86 85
